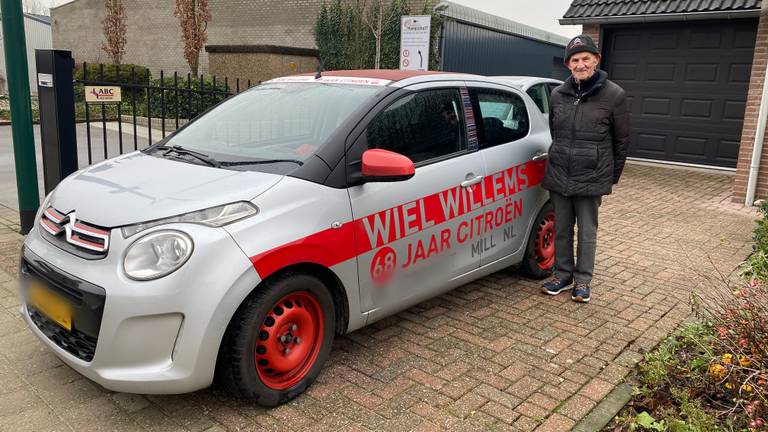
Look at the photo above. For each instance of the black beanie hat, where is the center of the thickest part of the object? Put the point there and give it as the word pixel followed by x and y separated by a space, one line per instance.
pixel 580 43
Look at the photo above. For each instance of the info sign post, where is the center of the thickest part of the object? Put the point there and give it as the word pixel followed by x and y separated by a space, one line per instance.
pixel 414 42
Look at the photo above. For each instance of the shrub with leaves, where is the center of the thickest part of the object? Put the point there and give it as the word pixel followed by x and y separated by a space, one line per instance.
pixel 739 316
pixel 129 73
pixel 738 370
pixel 191 103
pixel 756 266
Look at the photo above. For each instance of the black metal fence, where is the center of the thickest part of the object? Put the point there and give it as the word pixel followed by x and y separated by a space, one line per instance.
pixel 163 104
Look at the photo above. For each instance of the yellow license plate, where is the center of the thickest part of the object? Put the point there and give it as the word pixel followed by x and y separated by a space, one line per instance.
pixel 50 305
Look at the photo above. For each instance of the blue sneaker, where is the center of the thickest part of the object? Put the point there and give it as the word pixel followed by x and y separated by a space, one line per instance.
pixel 580 293
pixel 556 286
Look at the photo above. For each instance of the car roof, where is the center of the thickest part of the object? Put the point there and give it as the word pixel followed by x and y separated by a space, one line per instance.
pixel 383 74
pixel 525 82
pixel 383 77
pixel 403 78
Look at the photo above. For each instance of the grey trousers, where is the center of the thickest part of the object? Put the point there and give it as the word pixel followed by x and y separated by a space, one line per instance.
pixel 581 210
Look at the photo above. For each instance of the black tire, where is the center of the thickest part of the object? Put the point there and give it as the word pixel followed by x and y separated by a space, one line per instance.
pixel 244 341
pixel 536 265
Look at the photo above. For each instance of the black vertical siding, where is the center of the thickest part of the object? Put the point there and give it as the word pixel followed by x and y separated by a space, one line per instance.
pixel 472 49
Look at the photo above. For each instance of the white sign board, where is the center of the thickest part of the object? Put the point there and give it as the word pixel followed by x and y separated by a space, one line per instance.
pixel 44 80
pixel 414 42
pixel 102 94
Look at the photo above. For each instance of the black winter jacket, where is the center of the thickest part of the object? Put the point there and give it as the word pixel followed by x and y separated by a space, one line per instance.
pixel 590 137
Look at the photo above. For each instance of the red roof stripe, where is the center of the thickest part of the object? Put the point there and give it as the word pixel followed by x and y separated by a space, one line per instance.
pixel 384 74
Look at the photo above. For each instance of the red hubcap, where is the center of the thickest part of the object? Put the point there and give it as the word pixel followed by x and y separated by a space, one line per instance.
pixel 545 242
pixel 289 340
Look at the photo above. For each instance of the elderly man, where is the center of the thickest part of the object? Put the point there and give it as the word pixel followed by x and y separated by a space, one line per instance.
pixel 589 123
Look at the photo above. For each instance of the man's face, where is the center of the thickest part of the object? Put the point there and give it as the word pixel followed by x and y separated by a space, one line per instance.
pixel 449 116
pixel 583 65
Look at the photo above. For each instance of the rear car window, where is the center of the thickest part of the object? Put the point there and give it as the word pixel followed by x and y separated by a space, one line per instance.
pixel 422 126
pixel 504 117
pixel 550 88
pixel 540 95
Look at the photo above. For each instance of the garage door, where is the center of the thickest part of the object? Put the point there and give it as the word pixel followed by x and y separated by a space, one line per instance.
pixel 687 84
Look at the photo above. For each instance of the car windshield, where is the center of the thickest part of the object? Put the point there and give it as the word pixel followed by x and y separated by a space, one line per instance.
pixel 274 127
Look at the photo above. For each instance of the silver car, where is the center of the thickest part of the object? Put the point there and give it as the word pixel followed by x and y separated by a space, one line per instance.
pixel 303 208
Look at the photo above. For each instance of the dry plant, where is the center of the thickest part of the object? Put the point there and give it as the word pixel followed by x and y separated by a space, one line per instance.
pixel 737 313
pixel 194 16
pixel 115 29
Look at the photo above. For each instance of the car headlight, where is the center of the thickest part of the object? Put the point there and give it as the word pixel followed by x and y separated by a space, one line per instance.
pixel 157 254
pixel 213 217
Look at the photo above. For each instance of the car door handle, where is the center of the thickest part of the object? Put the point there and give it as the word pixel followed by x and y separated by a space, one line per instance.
pixel 470 182
pixel 540 157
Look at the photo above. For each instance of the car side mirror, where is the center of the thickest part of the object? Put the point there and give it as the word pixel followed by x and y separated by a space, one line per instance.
pixel 381 165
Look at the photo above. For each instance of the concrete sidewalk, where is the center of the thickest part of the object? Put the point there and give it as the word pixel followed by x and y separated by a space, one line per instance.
pixel 491 355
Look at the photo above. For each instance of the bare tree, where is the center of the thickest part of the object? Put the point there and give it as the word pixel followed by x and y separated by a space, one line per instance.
pixel 193 17
pixel 373 16
pixel 115 30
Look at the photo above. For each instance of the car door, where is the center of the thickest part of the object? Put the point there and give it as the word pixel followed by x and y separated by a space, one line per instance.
pixel 510 135
pixel 414 236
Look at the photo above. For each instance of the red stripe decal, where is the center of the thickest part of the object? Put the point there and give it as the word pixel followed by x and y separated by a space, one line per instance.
pixel 54 215
pixel 51 227
pixel 334 246
pixel 77 239
pixel 90 230
pixel 327 248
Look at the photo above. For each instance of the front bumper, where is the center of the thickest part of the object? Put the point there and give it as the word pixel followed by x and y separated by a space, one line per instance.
pixel 86 301
pixel 152 337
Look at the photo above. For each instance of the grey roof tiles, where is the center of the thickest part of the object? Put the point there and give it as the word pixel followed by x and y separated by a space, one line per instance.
pixel 618 8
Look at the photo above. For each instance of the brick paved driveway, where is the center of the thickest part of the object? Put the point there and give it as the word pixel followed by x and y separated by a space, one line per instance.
pixel 491 355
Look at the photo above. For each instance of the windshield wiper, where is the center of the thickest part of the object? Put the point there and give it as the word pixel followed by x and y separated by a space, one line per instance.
pixel 184 151
pixel 257 162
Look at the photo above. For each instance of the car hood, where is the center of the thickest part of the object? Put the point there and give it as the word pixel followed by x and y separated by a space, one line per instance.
pixel 138 188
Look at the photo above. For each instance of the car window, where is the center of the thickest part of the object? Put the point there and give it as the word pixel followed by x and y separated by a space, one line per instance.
pixel 539 95
pixel 422 126
pixel 273 122
pixel 504 117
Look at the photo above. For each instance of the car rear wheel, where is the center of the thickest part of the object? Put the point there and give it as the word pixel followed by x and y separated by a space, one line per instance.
pixel 279 339
pixel 539 260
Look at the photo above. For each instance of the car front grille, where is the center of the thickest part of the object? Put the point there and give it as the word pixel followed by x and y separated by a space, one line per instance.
pixel 75 236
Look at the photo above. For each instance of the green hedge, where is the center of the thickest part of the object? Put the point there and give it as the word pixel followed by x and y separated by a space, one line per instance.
pixel 171 97
pixel 110 73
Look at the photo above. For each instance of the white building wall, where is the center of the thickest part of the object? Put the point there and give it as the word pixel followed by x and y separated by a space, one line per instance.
pixel 38 36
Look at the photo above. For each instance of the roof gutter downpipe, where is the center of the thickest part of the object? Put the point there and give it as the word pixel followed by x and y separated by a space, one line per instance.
pixel 762 117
